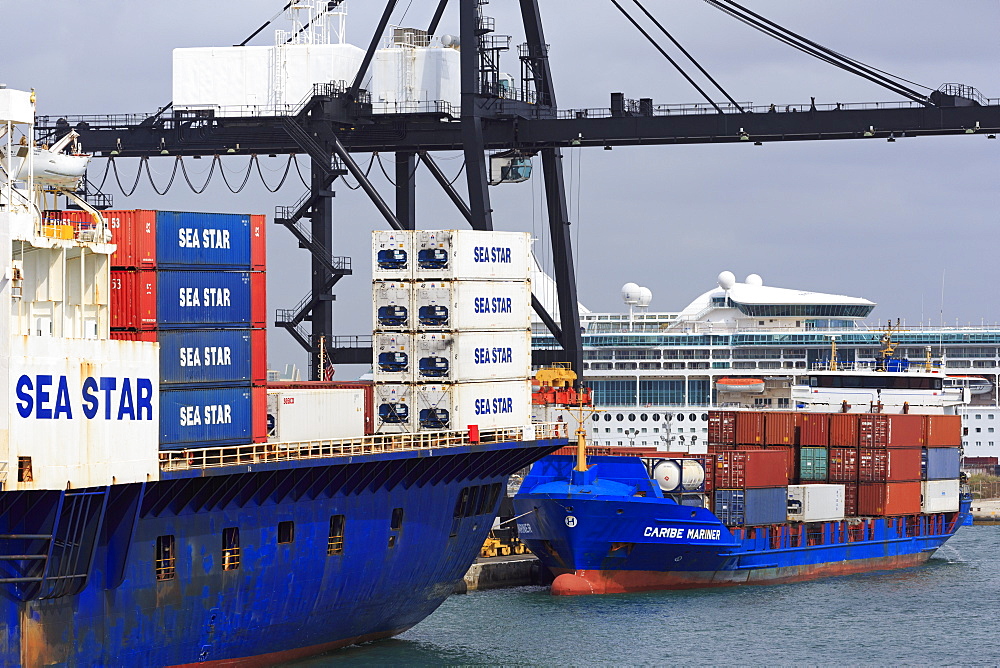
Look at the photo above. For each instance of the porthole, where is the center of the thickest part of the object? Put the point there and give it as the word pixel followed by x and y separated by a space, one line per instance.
pixel 692 417
pixel 596 417
pixel 656 417
pixel 680 417
pixel 631 417
pixel 620 417
pixel 704 416
pixel 643 417
pixel 607 417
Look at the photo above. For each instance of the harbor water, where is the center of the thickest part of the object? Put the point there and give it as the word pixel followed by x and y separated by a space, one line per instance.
pixel 943 613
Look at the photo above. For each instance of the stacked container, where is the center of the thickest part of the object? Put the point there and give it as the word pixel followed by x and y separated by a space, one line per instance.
pixel 751 486
pixel 451 321
pixel 195 283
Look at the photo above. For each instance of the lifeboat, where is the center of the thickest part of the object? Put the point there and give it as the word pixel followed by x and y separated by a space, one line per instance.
pixel 749 385
pixel 976 384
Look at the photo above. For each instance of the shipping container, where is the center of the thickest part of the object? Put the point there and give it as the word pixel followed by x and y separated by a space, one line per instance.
pixel 815 503
pixel 474 255
pixel 489 405
pixel 813 464
pixel 749 428
pixel 940 496
pixel 187 299
pixel 312 415
pixel 205 417
pixel 814 430
pixel 851 499
pixel 750 507
pixel 134 234
pixel 209 240
pixel 134 335
pixel 791 458
pixel 722 428
pixel 943 431
pixel 366 386
pixel 745 469
pixel 393 357
pixel 258 356
pixel 843 430
pixel 779 428
pixel 842 464
pixel 895 464
pixel 940 463
pixel 694 500
pixel 133 303
pixel 679 475
pixel 392 255
pixel 889 498
pixel 906 431
pixel 471 356
pixel 214 356
pixel 259 421
pixel 472 305
pixel 393 411
pixel 873 430
pixel 392 306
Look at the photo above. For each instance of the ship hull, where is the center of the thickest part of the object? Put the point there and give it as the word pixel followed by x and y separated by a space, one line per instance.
pixel 291 596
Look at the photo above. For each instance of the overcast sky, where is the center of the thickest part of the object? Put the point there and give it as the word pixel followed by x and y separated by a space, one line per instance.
pixel 896 223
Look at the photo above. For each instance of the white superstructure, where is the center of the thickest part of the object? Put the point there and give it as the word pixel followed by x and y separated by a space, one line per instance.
pixel 80 409
pixel 656 374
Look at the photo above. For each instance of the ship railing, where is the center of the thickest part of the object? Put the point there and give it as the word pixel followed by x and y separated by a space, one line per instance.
pixel 258 453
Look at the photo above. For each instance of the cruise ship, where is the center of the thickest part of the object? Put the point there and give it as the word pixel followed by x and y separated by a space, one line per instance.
pixel 656 374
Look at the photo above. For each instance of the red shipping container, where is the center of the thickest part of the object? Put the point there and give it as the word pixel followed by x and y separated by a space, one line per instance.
pixel 814 430
pixel 943 431
pixel 873 430
pixel 134 232
pixel 258 299
pixel 258 417
pixel 889 498
pixel 258 356
pixel 779 428
pixel 842 464
pixel 906 431
pixel 791 459
pixel 722 428
pixel 258 247
pixel 131 335
pixel 133 299
pixel 851 498
pixel 750 469
pixel 843 430
pixel 896 464
pixel 749 428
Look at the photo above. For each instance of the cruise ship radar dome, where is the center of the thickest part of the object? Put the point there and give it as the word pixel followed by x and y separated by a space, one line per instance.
pixel 727 280
pixel 754 279
pixel 630 293
pixel 645 296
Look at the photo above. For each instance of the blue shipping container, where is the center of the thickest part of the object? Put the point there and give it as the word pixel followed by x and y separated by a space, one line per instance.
pixel 217 240
pixel 205 417
pixel 194 298
pixel 767 505
pixel 205 356
pixel 941 463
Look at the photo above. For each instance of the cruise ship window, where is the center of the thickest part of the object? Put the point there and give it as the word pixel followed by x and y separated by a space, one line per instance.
pixel 643 417
pixel 607 417
pixel 619 430
pixel 704 430
pixel 978 416
pixel 631 417
pixel 978 429
pixel 692 417
pixel 620 417
pixel 607 430
pixel 989 429
pixel 704 416
pixel 656 417
pixel 680 417
pixel 979 442
pixel 596 417
pixel 656 430
pixel 644 430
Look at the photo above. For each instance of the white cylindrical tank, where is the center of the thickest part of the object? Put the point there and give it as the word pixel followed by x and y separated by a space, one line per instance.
pixel 471 305
pixel 471 255
pixel 490 405
pixel 393 360
pixel 392 309
pixel 471 356
pixel 392 255
pixel 675 475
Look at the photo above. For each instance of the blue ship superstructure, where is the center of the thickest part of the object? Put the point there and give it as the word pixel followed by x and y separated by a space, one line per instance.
pixel 611 529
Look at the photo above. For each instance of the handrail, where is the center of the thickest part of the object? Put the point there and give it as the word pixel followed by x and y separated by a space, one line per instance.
pixel 258 453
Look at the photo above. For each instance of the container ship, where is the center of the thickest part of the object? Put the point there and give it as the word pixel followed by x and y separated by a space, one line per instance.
pixel 162 504
pixel 780 496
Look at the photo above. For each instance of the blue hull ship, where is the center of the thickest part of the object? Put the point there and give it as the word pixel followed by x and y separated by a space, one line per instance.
pixel 240 561
pixel 610 529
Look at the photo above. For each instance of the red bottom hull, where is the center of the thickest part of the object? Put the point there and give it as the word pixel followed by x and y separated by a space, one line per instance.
pixel 274 658
pixel 585 582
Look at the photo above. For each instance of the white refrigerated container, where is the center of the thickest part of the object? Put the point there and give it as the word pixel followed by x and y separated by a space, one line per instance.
pixel 489 405
pixel 393 412
pixel 392 255
pixel 939 496
pixel 451 306
pixel 815 503
pixel 393 357
pixel 392 309
pixel 311 415
pixel 471 356
pixel 471 255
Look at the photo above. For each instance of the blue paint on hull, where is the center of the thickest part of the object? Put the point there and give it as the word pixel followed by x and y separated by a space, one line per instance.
pixel 284 596
pixel 613 525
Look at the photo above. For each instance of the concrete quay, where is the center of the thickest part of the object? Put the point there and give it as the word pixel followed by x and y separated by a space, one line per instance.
pixel 986 511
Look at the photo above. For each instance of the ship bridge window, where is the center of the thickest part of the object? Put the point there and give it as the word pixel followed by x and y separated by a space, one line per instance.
pixel 231 549
pixel 286 532
pixel 335 544
pixel 165 561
